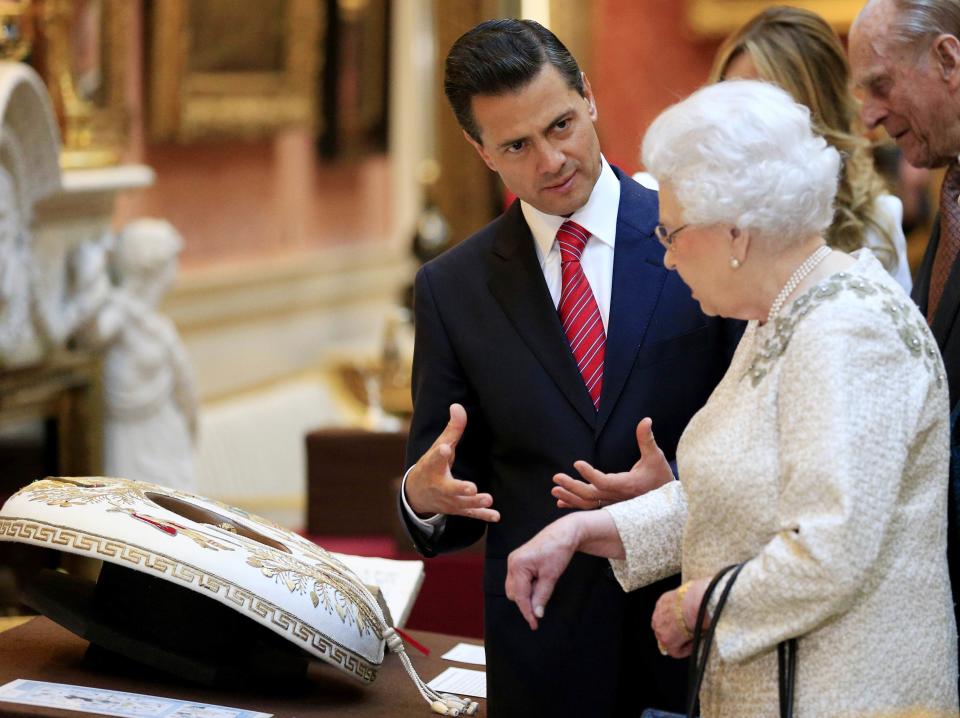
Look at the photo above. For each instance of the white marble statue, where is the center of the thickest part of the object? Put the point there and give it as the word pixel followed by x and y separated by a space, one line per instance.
pixel 151 404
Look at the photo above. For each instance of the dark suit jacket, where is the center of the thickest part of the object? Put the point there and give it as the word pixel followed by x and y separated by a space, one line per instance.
pixel 945 327
pixel 489 337
pixel 946 330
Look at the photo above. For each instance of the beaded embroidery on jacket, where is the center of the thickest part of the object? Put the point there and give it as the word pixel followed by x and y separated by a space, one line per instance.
pixel 915 333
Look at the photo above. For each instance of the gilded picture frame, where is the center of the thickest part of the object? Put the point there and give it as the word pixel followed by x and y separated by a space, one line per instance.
pixel 718 18
pixel 232 68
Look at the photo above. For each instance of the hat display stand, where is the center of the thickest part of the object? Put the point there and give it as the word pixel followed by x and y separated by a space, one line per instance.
pixel 201 590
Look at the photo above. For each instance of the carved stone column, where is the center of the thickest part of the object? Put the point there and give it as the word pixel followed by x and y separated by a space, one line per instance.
pixel 572 21
pixel 467 193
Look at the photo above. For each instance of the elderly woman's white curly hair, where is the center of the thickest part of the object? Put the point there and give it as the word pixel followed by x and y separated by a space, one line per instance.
pixel 742 153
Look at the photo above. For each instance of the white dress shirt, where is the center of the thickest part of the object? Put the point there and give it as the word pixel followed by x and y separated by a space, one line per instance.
pixel 599 217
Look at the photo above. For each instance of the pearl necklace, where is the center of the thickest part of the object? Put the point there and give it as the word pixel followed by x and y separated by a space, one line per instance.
pixel 799 274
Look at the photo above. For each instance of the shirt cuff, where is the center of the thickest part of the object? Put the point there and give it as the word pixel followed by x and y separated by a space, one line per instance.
pixel 431 526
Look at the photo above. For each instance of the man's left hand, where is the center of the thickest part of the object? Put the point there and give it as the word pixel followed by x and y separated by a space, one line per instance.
pixel 599 489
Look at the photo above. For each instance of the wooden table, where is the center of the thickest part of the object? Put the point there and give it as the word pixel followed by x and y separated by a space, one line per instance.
pixel 44 651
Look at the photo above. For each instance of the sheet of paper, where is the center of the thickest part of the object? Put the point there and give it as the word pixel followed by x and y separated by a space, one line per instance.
pixel 467 653
pixel 461 682
pixel 114 703
pixel 399 581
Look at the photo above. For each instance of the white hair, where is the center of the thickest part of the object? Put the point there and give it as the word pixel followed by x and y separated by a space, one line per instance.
pixel 917 22
pixel 742 153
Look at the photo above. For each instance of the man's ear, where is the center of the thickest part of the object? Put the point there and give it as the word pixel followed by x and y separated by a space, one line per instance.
pixel 480 151
pixel 946 53
pixel 588 96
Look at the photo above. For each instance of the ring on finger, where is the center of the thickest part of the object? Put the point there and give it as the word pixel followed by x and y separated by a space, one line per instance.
pixel 663 649
pixel 599 504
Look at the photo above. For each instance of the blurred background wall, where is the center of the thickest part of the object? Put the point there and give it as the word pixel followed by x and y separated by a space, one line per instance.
pixel 305 153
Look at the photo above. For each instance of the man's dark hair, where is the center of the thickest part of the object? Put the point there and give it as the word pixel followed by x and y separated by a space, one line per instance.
pixel 499 56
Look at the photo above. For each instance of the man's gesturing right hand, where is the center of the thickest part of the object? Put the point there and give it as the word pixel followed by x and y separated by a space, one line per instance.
pixel 431 486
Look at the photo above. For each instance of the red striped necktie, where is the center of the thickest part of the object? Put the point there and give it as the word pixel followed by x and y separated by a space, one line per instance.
pixel 578 310
pixel 949 245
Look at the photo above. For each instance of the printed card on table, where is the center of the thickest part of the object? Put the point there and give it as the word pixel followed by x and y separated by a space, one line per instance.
pixel 101 701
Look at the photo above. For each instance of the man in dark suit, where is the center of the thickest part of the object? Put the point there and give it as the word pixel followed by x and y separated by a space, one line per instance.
pixel 542 339
pixel 905 58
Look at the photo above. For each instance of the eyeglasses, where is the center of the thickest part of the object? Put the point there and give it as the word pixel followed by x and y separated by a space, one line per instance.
pixel 666 238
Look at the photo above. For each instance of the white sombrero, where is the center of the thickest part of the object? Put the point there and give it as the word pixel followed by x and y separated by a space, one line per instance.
pixel 268 574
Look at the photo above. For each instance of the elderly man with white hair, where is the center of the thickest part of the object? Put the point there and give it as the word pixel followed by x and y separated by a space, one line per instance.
pixel 819 461
pixel 905 60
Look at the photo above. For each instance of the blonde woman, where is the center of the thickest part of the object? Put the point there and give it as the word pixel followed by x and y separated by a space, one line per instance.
pixel 800 52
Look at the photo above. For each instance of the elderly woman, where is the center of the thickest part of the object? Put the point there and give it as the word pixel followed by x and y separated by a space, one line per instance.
pixel 820 460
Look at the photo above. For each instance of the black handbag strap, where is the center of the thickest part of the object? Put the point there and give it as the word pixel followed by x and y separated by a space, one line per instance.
pixel 703 641
pixel 786 675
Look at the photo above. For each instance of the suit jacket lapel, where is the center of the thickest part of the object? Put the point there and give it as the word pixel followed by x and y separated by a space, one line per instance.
pixel 638 279
pixel 516 281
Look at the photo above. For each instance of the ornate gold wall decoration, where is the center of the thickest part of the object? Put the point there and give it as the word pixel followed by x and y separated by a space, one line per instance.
pixel 82 57
pixel 16 29
pixel 717 18
pixel 232 68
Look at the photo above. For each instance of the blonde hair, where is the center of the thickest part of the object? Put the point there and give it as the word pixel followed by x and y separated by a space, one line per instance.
pixel 799 51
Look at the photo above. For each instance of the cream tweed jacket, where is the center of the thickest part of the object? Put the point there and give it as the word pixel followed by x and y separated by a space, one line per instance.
pixel 820 459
